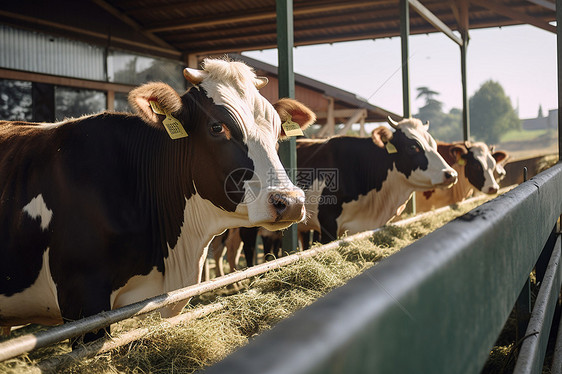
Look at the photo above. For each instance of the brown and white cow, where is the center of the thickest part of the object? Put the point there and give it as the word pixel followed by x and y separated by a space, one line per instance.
pixel 109 209
pixel 361 183
pixel 477 165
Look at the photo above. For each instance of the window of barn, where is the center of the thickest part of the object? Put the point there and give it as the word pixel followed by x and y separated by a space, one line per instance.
pixel 135 69
pixel 15 100
pixel 73 102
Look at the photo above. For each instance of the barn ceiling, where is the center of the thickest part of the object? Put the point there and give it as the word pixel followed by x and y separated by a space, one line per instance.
pixel 174 28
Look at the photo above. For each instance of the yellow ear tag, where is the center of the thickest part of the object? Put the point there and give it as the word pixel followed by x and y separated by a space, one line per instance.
pixel 390 148
pixel 461 162
pixel 173 127
pixel 292 128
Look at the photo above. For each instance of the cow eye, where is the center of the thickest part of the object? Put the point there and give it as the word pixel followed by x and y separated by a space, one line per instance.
pixel 217 128
pixel 415 148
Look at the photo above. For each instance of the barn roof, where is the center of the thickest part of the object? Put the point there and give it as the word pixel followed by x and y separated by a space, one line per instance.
pixel 342 99
pixel 176 28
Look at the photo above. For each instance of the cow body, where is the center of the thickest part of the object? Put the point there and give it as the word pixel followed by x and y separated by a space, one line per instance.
pixel 374 179
pixel 105 210
pixel 477 166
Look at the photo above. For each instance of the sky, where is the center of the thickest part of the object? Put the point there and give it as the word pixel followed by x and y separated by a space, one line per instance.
pixel 521 58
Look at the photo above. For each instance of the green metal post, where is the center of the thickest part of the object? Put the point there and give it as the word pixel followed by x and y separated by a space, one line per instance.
pixel 404 34
pixel 465 103
pixel 288 148
pixel 559 59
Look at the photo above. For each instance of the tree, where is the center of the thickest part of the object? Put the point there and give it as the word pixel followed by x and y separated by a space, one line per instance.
pixel 491 113
pixel 443 126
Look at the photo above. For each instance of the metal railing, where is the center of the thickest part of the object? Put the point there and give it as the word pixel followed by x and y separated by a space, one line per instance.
pixel 437 306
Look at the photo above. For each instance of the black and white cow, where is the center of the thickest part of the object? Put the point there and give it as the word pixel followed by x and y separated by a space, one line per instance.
pixel 356 184
pixel 109 209
pixel 359 184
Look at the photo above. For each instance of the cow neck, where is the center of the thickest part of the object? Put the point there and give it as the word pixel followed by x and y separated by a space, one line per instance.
pixel 462 189
pixel 182 223
pixel 390 200
pixel 164 184
pixel 370 165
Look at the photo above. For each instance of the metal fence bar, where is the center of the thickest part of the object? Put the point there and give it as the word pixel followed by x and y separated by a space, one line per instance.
pixel 556 367
pixel 25 343
pixel 533 349
pixel 109 343
pixel 436 306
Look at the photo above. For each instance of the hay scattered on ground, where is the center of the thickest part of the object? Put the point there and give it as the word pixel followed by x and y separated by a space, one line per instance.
pixel 265 301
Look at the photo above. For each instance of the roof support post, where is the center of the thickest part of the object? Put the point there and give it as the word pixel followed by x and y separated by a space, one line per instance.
pixel 404 34
pixel 559 59
pixel 460 10
pixel 465 101
pixel 288 148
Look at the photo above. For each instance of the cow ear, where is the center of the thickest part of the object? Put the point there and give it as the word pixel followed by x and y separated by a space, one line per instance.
pixel 499 156
pixel 260 82
pixel 458 151
pixel 166 98
pixel 290 110
pixel 381 135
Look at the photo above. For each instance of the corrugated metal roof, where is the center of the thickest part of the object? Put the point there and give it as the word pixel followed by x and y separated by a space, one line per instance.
pixel 175 28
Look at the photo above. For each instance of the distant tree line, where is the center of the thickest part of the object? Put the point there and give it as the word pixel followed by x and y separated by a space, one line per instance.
pixel 490 110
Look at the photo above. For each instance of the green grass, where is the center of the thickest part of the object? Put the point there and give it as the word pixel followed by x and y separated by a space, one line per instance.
pixel 521 135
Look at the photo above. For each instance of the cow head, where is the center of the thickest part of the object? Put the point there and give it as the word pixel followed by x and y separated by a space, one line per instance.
pixel 480 165
pixel 414 154
pixel 231 135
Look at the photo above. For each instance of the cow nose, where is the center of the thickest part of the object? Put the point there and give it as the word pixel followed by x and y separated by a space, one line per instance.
pixel 287 205
pixel 450 177
pixel 492 190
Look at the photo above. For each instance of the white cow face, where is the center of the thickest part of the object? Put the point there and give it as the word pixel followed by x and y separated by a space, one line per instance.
pixel 269 198
pixel 481 165
pixel 414 153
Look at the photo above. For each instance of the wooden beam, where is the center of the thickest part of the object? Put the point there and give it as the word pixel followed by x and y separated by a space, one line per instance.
pixel 436 22
pixel 337 113
pixel 129 21
pixel 356 117
pixel 460 11
pixel 258 15
pixel 64 81
pixel 507 11
pixel 110 100
pixel 362 127
pixel 373 33
pixel 548 4
pixel 135 10
pixel 267 29
pixel 329 129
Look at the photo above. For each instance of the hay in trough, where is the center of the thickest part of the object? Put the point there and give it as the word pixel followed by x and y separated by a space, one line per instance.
pixel 267 299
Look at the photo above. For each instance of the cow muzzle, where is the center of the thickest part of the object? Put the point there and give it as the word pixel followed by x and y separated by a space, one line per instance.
pixel 287 206
pixel 448 178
